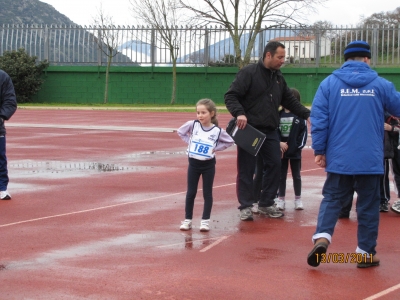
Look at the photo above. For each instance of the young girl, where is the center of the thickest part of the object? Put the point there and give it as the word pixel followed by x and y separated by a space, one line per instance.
pixel 204 137
pixel 293 133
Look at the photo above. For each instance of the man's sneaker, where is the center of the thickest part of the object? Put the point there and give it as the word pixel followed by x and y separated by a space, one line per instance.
pixel 186 225
pixel 298 205
pixel 205 225
pixel 366 262
pixel 344 214
pixel 254 208
pixel 246 214
pixel 280 204
pixel 271 211
pixel 4 195
pixel 396 206
pixel 384 207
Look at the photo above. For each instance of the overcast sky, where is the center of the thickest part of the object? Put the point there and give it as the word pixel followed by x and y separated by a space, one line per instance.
pixel 338 12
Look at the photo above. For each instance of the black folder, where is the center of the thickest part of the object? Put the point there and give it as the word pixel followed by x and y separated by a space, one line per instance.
pixel 249 138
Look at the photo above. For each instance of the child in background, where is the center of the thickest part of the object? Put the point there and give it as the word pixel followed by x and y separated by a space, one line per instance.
pixel 293 134
pixel 204 137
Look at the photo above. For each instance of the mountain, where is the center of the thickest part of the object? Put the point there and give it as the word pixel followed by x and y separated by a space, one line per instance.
pixel 218 50
pixel 30 12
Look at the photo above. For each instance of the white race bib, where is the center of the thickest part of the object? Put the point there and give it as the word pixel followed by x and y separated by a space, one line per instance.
pixel 201 150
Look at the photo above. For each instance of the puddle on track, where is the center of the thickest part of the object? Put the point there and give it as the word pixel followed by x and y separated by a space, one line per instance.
pixel 59 166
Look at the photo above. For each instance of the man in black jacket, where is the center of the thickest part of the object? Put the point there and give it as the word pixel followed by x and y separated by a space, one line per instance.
pixel 254 97
pixel 8 106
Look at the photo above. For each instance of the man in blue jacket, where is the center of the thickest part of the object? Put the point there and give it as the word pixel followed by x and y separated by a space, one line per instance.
pixel 8 106
pixel 347 138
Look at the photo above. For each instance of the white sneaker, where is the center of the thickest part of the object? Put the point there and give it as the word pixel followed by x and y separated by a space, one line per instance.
pixel 280 204
pixel 205 225
pixel 4 195
pixel 396 206
pixel 254 208
pixel 186 225
pixel 298 205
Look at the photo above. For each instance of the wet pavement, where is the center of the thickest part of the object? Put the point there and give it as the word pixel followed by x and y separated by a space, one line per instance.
pixel 97 203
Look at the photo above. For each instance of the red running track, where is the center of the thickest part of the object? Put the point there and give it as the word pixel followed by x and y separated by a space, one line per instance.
pixel 97 203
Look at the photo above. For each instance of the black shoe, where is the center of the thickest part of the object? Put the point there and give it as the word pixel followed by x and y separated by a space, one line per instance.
pixel 315 256
pixel 344 214
pixel 384 207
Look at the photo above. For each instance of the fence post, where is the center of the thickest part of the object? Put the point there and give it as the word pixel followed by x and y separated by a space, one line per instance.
pixel 46 43
pixel 152 51
pixel 206 49
pixel 261 43
pixel 374 46
pixel 100 45
pixel 317 48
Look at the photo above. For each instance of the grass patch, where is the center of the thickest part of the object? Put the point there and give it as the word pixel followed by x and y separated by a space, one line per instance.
pixel 124 107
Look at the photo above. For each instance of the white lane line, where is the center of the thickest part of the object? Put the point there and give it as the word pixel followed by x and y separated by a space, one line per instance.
pixel 89 210
pixel 383 293
pixel 100 208
pixel 93 127
pixel 310 170
pixel 214 244
pixel 114 205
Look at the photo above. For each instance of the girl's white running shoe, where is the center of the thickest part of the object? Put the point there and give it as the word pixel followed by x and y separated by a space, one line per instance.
pixel 205 225
pixel 186 225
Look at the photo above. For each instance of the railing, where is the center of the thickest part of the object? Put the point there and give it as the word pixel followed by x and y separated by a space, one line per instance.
pixel 210 46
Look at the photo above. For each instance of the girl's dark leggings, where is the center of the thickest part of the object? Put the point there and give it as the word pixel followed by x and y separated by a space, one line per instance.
pixel 206 169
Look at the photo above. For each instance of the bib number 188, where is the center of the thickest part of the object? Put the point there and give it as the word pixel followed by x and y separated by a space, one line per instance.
pixel 201 149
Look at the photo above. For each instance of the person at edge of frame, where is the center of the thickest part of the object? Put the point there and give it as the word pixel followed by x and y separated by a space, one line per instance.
pixel 391 136
pixel 351 151
pixel 8 106
pixel 254 97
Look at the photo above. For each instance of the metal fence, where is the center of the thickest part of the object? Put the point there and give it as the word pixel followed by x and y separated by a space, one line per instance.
pixel 210 46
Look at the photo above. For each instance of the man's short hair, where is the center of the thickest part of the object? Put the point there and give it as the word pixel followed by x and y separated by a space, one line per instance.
pixel 271 48
pixel 357 49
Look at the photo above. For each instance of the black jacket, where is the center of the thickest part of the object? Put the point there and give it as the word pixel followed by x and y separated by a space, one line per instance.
pixel 297 138
pixel 257 93
pixel 8 101
pixel 391 138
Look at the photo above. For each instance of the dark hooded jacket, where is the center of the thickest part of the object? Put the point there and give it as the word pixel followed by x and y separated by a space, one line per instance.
pixel 8 101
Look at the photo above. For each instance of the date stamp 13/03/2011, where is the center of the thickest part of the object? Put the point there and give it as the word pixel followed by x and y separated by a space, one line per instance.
pixel 344 258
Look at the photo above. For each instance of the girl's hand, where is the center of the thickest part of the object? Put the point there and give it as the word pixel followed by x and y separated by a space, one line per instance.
pixel 388 127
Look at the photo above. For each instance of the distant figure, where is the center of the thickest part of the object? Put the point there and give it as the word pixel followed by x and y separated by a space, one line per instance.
pixel 293 136
pixel 8 106
pixel 203 137
pixel 347 118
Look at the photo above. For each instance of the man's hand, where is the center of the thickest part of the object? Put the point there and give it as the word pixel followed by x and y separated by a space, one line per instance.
pixel 284 146
pixel 241 121
pixel 320 160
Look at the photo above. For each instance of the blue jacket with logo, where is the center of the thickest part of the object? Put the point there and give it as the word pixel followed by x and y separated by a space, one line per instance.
pixel 347 118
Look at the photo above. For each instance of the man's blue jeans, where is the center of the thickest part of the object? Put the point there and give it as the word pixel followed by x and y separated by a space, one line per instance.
pixel 337 189
pixel 3 165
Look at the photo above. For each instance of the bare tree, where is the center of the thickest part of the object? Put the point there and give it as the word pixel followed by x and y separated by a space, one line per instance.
pixel 107 41
pixel 162 15
pixel 389 18
pixel 240 16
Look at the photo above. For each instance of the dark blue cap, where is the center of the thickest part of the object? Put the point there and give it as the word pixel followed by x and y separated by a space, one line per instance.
pixel 357 49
